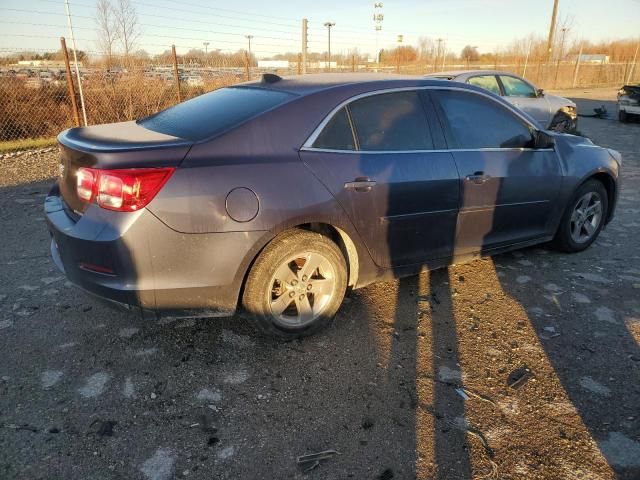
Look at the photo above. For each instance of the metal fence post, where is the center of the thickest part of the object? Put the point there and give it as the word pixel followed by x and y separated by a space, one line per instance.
pixel 577 67
pixel 72 90
pixel 305 39
pixel 175 72
pixel 246 66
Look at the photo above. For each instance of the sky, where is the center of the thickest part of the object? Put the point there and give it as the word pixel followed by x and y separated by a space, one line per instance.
pixel 276 26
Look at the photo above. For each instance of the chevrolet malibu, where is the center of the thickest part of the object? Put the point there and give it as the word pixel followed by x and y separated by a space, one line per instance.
pixel 279 195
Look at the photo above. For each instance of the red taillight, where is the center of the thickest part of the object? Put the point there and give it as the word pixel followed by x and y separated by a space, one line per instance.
pixel 121 190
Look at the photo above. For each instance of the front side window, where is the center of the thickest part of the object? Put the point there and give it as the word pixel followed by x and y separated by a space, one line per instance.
pixel 488 82
pixel 479 122
pixel 391 122
pixel 337 134
pixel 514 87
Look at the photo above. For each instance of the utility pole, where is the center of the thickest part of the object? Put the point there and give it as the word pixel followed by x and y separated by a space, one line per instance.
pixel 305 39
pixel 552 29
pixel 329 25
pixel 75 61
pixel 206 47
pixel 378 17
pixel 249 37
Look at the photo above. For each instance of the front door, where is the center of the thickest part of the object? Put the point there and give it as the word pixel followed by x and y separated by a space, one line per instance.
pixel 507 186
pixel 377 158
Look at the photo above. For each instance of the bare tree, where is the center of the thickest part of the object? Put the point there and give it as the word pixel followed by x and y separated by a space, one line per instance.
pixel 107 29
pixel 128 25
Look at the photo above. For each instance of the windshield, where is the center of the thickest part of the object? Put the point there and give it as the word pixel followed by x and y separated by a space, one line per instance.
pixel 214 112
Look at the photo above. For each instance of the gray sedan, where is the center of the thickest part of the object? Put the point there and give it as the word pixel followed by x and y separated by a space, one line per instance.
pixel 549 111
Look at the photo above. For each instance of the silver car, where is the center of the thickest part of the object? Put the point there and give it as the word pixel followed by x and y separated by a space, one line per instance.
pixel 549 111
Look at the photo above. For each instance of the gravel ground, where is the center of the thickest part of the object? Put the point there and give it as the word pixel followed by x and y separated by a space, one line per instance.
pixel 411 381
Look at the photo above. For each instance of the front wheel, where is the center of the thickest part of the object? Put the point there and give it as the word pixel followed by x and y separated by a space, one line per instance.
pixel 563 123
pixel 296 285
pixel 584 217
pixel 623 117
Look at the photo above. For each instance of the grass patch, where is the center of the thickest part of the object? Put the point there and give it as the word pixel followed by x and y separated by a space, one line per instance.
pixel 28 144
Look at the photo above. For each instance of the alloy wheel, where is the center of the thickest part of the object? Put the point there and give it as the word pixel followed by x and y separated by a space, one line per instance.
pixel 586 217
pixel 301 289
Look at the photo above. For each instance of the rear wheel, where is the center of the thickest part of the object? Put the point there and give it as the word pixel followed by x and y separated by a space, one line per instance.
pixel 584 217
pixel 296 285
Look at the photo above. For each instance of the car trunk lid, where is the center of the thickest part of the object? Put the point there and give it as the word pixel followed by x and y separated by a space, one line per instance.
pixel 111 146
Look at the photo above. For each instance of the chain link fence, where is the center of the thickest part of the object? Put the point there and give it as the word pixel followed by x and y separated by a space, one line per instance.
pixel 35 101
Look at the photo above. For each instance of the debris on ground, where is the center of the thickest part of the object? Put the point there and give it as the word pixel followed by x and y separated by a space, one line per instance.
pixel 386 475
pixel 312 460
pixel 519 377
pixel 549 332
pixel 600 112
pixel 102 428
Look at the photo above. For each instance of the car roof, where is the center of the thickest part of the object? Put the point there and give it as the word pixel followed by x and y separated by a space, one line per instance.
pixel 312 83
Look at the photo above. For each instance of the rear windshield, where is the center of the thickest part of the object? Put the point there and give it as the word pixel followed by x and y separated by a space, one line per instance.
pixel 214 112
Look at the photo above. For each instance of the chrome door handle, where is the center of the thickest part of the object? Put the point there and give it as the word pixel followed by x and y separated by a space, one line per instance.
pixel 478 178
pixel 360 184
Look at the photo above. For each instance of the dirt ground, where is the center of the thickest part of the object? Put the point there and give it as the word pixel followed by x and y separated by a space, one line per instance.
pixel 411 381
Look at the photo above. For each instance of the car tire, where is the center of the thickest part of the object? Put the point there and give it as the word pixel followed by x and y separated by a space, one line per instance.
pixel 623 117
pixel 281 276
pixel 573 235
pixel 563 123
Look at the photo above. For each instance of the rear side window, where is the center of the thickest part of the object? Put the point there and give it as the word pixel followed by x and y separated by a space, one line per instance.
pixel 337 134
pixel 514 87
pixel 391 121
pixel 478 122
pixel 213 112
pixel 488 82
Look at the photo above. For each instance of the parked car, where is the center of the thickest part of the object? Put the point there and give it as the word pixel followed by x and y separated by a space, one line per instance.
pixel 549 111
pixel 280 194
pixel 628 102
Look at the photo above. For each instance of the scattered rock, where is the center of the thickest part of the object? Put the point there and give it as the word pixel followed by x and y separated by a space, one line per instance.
pixel 621 451
pixel 590 384
pixel 95 385
pixel 49 378
pixel 161 466
pixel 207 395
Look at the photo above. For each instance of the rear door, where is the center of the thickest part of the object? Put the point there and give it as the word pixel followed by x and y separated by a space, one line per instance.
pixel 378 157
pixel 507 187
pixel 523 95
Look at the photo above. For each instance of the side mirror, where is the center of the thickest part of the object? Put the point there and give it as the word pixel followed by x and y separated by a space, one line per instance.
pixel 540 92
pixel 543 140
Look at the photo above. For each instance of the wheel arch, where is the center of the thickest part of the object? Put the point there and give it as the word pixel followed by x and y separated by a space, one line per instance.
pixel 336 234
pixel 610 186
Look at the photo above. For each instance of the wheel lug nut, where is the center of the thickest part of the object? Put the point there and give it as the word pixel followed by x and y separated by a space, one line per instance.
pixel 309 286
pixel 294 282
pixel 292 294
pixel 301 298
pixel 304 278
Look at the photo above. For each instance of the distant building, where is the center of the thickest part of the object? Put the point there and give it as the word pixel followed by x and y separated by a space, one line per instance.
pixel 273 63
pixel 323 64
pixel 591 58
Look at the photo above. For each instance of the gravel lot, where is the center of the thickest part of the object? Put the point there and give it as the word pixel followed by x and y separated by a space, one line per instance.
pixel 87 392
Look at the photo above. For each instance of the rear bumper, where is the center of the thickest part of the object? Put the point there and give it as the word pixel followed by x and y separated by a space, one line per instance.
pixel 153 269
